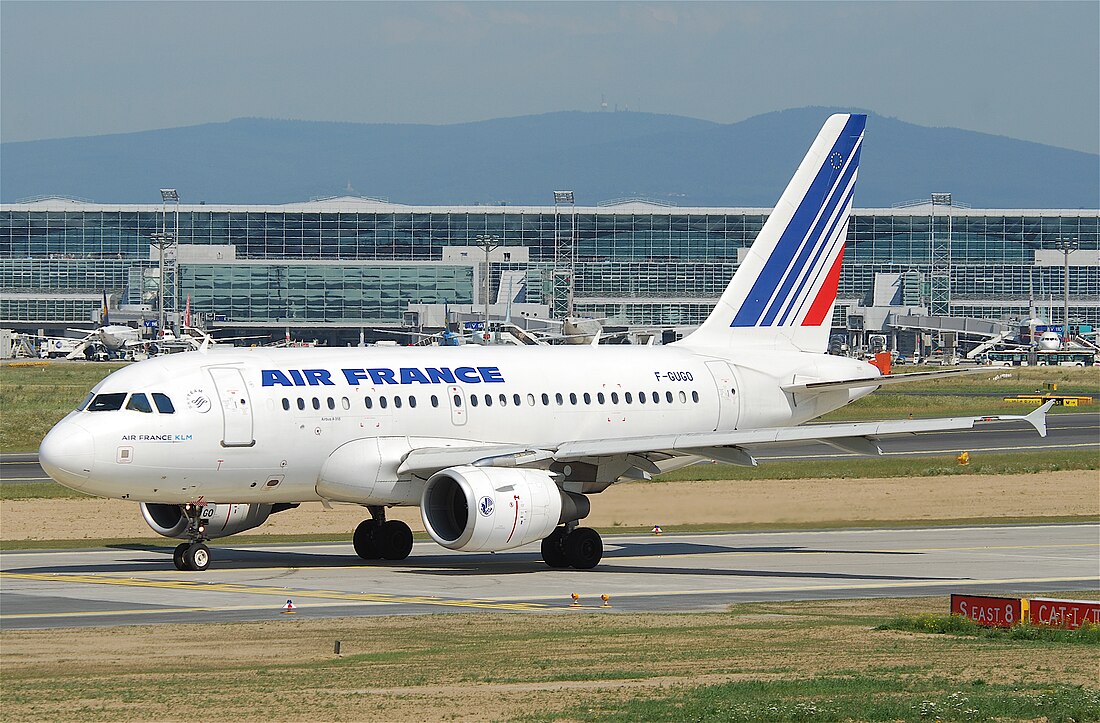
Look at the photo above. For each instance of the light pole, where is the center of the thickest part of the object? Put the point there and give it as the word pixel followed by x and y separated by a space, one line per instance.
pixel 160 240
pixel 168 274
pixel 487 243
pixel 1065 245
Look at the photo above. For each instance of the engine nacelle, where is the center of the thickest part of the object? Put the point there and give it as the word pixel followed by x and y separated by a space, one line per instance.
pixel 484 509
pixel 220 520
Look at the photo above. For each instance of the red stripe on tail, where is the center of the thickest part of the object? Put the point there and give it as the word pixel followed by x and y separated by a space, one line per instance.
pixel 826 295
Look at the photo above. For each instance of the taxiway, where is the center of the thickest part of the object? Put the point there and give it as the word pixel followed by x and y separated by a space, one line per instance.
pixel 683 572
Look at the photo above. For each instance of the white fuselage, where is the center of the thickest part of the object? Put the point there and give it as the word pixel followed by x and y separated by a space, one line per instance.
pixel 258 425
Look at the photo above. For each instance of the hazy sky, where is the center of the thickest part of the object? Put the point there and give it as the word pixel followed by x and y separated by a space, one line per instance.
pixel 1029 70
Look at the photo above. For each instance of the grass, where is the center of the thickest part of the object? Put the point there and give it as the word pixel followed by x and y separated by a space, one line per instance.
pixel 756 661
pixel 1087 634
pixel 34 398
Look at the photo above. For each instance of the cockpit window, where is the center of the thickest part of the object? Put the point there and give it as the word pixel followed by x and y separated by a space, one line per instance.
pixel 107 402
pixel 84 405
pixel 164 404
pixel 139 403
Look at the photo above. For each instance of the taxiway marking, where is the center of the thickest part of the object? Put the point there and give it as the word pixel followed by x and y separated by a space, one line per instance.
pixel 241 589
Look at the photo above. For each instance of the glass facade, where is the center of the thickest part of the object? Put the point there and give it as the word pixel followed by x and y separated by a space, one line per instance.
pixel 356 261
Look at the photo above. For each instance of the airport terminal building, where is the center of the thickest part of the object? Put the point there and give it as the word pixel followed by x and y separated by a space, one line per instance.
pixel 350 263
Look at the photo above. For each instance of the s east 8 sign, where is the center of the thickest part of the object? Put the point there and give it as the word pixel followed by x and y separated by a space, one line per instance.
pixel 1000 612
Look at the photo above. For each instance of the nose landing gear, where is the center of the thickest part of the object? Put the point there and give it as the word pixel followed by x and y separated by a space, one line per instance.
pixel 193 555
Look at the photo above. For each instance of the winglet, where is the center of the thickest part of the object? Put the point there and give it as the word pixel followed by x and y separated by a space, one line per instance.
pixel 1038 418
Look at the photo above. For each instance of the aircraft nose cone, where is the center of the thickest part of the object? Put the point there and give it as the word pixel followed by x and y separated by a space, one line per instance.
pixel 66 454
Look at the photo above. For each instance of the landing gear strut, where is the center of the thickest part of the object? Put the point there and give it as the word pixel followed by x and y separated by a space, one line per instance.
pixel 194 554
pixel 571 546
pixel 379 539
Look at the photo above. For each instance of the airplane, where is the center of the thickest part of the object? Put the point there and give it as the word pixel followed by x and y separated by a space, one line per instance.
pixel 499 447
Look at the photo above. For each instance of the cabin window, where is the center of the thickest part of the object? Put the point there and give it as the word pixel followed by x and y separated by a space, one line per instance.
pixel 600 397
pixel 345 403
pixel 558 398
pixel 331 403
pixel 545 399
pixel 473 400
pixel 396 402
pixel 368 402
pixel 435 401
pixel 628 398
pixel 516 400
pixel 165 406
pixel 382 402
pixel 641 397
pixel 614 397
pixel 139 403
pixel 301 403
pixel 695 396
pixel 668 397
pixel 530 400
pixel 587 398
pixel 412 402
pixel 286 404
pixel 316 403
pixel 488 400
pixel 683 397
pixel 107 402
pixel 503 400
pixel 573 398
pixel 458 400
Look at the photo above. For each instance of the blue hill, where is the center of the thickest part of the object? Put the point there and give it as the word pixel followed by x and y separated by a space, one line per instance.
pixel 601 156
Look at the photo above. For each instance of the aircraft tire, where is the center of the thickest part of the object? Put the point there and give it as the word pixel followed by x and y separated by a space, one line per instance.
pixel 583 548
pixel 197 557
pixel 364 541
pixel 553 552
pixel 178 554
pixel 394 540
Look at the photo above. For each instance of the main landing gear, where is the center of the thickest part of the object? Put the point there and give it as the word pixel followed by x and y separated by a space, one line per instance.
pixel 194 554
pixel 571 546
pixel 377 539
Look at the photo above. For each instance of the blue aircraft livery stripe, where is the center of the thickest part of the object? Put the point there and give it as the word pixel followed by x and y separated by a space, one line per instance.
pixel 816 214
pixel 822 192
pixel 381 375
pixel 816 240
pixel 813 271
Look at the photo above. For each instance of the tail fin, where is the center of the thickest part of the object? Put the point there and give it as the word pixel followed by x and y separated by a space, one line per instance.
pixel 783 293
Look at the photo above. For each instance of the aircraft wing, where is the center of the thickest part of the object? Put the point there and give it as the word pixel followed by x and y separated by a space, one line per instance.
pixel 856 437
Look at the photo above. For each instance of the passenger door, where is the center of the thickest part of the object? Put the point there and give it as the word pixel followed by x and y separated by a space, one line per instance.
pixel 236 406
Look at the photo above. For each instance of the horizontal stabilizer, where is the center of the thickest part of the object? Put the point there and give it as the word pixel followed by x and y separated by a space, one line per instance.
pixel 817 387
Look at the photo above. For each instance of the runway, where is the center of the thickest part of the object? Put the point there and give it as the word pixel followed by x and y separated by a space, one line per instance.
pixel 1079 430
pixel 131 585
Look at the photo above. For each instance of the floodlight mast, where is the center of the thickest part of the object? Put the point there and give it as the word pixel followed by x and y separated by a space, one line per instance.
pixel 166 243
pixel 488 243
pixel 1066 245
pixel 564 255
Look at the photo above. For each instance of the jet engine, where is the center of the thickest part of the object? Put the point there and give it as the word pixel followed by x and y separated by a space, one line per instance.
pixel 220 520
pixel 476 509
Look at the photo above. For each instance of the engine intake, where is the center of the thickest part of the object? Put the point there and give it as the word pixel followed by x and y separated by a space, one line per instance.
pixel 225 520
pixel 475 509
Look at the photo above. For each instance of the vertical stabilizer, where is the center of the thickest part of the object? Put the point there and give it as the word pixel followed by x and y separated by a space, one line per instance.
pixel 783 293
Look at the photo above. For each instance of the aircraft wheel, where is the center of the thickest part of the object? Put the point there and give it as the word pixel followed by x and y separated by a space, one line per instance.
pixel 583 548
pixel 553 553
pixel 178 554
pixel 364 541
pixel 394 540
pixel 197 557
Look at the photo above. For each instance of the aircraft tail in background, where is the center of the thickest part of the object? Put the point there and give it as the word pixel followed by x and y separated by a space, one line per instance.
pixel 784 290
